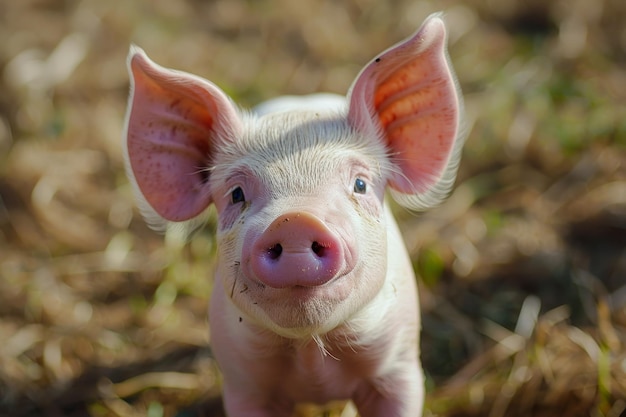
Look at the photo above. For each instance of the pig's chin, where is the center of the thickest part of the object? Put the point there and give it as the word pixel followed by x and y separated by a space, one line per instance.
pixel 301 311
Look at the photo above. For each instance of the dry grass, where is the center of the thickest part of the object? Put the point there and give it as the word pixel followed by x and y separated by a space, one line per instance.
pixel 523 270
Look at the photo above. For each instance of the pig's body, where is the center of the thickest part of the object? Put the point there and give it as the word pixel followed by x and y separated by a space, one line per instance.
pixel 377 366
pixel 371 358
pixel 370 354
pixel 314 298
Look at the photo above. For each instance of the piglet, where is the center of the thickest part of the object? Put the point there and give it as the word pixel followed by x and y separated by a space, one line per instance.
pixel 315 298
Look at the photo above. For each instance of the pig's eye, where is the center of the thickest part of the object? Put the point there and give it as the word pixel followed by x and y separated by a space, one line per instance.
pixel 236 196
pixel 359 186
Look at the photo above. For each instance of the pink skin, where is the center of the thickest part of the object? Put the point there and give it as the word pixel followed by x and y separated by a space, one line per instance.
pixel 314 298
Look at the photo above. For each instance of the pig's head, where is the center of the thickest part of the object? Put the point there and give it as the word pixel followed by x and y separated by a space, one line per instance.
pixel 302 231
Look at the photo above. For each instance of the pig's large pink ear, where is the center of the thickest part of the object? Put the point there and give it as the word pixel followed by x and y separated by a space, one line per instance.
pixel 408 96
pixel 173 122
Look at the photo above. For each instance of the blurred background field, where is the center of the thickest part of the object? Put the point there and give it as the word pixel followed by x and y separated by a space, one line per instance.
pixel 522 271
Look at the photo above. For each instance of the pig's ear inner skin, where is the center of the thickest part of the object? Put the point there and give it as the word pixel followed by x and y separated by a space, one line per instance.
pixel 173 123
pixel 409 97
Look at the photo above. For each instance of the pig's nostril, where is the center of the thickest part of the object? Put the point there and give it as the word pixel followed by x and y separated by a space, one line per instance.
pixel 275 251
pixel 318 249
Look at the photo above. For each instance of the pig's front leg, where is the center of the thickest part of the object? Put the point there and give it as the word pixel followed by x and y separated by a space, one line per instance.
pixel 238 403
pixel 247 362
pixel 400 397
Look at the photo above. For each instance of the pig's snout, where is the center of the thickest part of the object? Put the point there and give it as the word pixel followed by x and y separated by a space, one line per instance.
pixel 297 249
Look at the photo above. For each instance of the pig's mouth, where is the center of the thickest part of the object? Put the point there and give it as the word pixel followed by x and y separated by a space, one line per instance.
pixel 302 309
pixel 307 280
pixel 310 283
